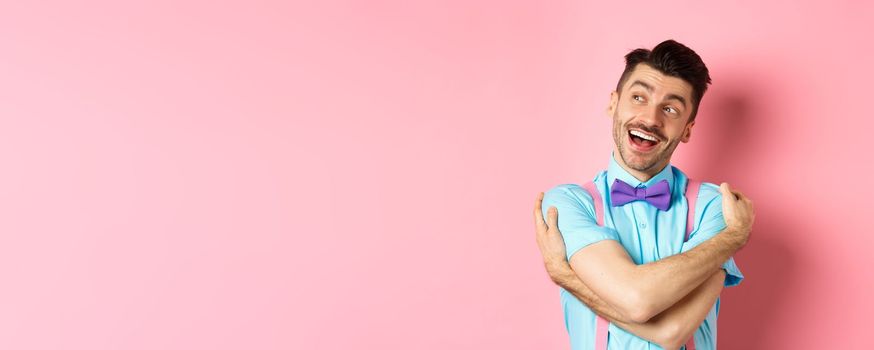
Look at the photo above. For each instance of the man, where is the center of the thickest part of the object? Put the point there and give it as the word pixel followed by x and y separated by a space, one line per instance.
pixel 637 270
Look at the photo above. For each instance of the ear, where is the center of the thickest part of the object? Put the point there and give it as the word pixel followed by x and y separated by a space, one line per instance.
pixel 614 100
pixel 687 132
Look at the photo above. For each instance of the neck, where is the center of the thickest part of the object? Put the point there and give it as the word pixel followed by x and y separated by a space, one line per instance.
pixel 642 176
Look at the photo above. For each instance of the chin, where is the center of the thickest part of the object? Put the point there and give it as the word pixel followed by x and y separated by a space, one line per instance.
pixel 640 163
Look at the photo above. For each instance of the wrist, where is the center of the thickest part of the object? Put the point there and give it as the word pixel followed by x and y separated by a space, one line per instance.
pixel 739 236
pixel 558 270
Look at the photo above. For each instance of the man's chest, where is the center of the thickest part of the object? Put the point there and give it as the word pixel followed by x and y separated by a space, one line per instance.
pixel 649 235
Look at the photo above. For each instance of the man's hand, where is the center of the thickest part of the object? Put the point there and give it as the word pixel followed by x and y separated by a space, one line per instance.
pixel 549 239
pixel 738 212
pixel 673 326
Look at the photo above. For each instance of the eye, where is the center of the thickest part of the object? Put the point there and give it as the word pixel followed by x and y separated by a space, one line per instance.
pixel 637 98
pixel 671 110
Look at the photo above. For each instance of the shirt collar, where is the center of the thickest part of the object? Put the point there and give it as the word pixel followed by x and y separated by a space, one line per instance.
pixel 616 171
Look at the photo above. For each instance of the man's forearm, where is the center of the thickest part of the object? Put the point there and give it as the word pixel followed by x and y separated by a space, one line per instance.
pixel 565 277
pixel 670 329
pixel 673 327
pixel 664 282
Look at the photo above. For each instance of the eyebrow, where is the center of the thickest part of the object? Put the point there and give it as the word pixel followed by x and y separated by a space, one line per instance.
pixel 649 89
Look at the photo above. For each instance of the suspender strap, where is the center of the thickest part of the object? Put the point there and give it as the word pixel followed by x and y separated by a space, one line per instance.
pixel 602 326
pixel 596 199
pixel 692 187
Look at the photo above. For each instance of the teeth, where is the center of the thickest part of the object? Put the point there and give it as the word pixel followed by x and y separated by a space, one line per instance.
pixel 643 136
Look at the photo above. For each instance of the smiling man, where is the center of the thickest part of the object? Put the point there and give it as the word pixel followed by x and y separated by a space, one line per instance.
pixel 642 252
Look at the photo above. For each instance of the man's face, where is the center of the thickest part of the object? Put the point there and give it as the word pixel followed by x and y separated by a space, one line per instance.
pixel 650 118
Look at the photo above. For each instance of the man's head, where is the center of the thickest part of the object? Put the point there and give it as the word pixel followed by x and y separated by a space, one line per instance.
pixel 654 105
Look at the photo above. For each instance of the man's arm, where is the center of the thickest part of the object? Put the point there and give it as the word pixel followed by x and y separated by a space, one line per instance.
pixel 639 292
pixel 670 329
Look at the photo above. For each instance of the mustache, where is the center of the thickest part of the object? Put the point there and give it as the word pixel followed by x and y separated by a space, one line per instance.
pixel 658 134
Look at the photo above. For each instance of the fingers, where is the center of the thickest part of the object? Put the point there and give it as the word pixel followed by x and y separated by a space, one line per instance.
pixel 538 213
pixel 739 198
pixel 725 189
pixel 552 220
pixel 553 217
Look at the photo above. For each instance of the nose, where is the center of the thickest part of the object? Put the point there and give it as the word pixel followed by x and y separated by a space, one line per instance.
pixel 652 117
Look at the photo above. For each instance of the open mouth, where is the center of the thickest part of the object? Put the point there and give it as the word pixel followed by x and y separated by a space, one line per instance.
pixel 642 141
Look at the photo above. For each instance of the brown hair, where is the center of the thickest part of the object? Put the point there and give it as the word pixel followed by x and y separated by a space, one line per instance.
pixel 672 59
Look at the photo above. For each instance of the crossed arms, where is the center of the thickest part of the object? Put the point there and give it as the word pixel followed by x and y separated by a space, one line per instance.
pixel 664 301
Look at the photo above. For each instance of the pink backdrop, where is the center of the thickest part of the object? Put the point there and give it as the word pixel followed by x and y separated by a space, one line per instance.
pixel 265 175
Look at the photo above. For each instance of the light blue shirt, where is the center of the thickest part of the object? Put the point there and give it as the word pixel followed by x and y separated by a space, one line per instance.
pixel 647 233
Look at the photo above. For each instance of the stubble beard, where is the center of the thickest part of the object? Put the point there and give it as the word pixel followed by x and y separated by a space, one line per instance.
pixel 636 162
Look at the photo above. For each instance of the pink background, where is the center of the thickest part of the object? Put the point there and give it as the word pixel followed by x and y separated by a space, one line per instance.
pixel 265 175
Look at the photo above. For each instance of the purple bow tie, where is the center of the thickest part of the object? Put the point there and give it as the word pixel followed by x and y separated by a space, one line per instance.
pixel 659 194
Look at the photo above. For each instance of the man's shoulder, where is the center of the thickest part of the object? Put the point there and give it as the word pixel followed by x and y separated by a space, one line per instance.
pixel 709 192
pixel 568 190
pixel 569 194
pixel 709 197
pixel 576 189
pixel 706 193
pixel 709 202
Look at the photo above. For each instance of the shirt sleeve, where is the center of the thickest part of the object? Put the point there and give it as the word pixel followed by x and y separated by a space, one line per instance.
pixel 576 217
pixel 709 223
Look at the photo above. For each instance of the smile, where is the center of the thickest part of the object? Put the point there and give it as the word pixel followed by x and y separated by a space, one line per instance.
pixel 641 141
